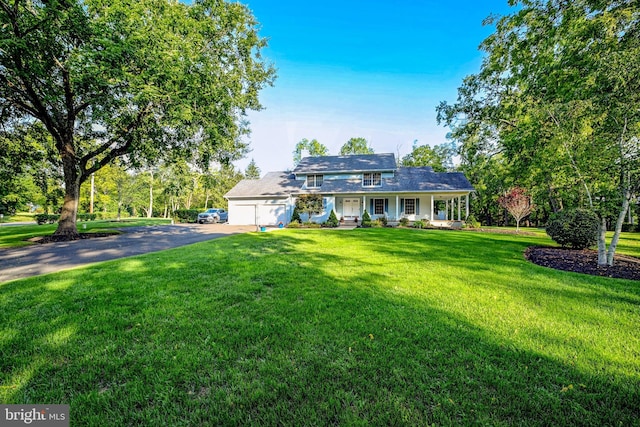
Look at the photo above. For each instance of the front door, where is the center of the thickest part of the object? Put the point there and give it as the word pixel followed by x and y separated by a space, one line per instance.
pixel 351 208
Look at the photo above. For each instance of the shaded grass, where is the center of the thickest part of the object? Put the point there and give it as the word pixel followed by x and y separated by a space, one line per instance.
pixel 316 327
pixel 18 235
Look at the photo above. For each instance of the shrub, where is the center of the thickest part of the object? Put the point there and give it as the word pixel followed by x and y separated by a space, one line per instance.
pixel 332 221
pixel 366 219
pixel 186 215
pixel 295 216
pixel 472 222
pixel 87 217
pixel 46 218
pixel 377 223
pixel 384 220
pixel 310 224
pixel 294 224
pixel 628 227
pixel 404 221
pixel 577 228
pixel 418 224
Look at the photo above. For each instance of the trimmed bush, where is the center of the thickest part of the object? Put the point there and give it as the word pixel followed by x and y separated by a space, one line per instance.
pixel 418 224
pixel 404 221
pixel 472 222
pixel 46 218
pixel 366 219
pixel 294 224
pixel 186 215
pixel 332 221
pixel 86 217
pixel 576 228
pixel 295 216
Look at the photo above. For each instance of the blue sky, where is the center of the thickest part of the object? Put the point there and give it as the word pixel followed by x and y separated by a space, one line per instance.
pixel 372 69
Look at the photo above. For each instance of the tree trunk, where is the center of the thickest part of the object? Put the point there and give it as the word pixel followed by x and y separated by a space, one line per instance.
pixel 602 243
pixel 616 235
pixel 150 211
pixel 67 229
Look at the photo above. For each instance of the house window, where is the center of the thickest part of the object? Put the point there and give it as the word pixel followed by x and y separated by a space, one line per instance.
pixel 409 206
pixel 371 179
pixel 378 207
pixel 314 181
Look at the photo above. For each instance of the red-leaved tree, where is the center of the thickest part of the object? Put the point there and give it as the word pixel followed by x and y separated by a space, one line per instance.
pixel 518 202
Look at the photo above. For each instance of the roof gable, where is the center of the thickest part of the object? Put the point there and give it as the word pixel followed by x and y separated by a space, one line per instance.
pixel 345 164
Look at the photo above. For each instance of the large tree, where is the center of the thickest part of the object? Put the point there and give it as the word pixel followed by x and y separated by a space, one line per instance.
pixel 439 157
pixel 356 146
pixel 559 94
pixel 312 148
pixel 130 79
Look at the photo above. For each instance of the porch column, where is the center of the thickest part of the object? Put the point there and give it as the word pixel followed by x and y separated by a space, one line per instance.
pixel 467 206
pixel 397 207
pixel 459 206
pixel 431 209
pixel 364 206
pixel 446 210
pixel 453 206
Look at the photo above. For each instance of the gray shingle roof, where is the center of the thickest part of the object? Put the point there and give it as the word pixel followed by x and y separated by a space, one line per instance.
pixel 272 184
pixel 405 180
pixel 351 163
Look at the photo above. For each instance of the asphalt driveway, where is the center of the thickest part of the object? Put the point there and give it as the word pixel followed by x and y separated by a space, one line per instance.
pixel 17 263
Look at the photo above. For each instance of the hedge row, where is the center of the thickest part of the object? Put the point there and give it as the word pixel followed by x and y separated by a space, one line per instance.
pixel 186 215
pixel 51 218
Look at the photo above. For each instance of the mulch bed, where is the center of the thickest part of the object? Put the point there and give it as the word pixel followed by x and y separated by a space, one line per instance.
pixel 583 261
pixel 52 238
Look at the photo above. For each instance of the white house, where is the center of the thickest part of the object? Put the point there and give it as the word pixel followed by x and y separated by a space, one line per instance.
pixel 350 185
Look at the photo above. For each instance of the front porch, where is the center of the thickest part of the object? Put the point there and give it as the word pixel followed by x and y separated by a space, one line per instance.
pixel 440 209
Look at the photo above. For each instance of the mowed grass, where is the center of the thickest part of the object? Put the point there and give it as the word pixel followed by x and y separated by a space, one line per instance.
pixel 18 235
pixel 324 327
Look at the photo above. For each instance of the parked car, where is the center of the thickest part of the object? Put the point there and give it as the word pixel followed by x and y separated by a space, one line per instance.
pixel 213 215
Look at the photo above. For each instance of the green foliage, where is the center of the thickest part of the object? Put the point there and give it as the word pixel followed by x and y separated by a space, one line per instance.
pixel 186 215
pixel 404 221
pixel 46 218
pixel 313 148
pixel 252 171
pixel 158 79
pixel 295 216
pixel 419 224
pixel 438 157
pixel 366 219
pixel 332 221
pixel 472 222
pixel 577 228
pixel 294 224
pixel 377 223
pixel 310 204
pixel 356 146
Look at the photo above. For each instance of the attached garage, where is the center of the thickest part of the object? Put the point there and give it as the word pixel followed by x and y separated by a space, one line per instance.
pixel 266 201
pixel 256 214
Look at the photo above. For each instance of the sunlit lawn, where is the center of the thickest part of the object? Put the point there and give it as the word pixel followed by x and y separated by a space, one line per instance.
pixel 18 235
pixel 324 327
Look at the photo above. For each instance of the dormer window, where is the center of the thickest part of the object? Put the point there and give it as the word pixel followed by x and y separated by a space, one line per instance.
pixel 314 181
pixel 372 179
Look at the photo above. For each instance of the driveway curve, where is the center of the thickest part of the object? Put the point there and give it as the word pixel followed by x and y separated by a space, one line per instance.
pixel 18 263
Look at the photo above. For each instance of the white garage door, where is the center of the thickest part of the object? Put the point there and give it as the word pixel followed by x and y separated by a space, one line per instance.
pixel 242 214
pixel 271 214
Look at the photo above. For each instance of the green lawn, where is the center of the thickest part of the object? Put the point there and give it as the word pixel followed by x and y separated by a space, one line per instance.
pixel 327 327
pixel 17 235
